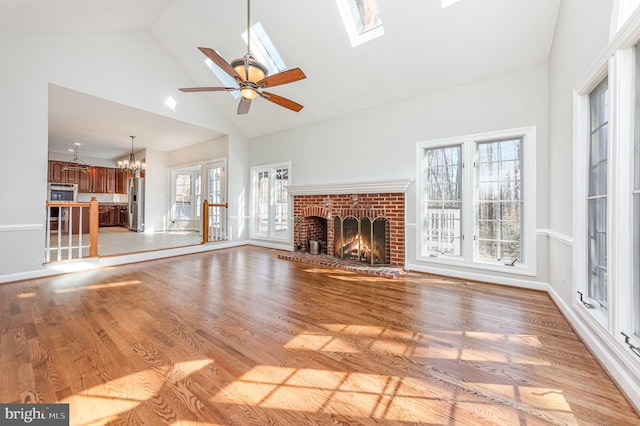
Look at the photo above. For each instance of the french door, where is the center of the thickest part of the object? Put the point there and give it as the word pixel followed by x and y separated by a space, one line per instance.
pixel 217 194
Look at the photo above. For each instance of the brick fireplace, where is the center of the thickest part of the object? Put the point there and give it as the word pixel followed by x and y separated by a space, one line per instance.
pixel 319 211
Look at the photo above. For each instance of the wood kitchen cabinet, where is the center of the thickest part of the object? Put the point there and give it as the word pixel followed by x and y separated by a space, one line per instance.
pixel 123 216
pixel 85 182
pixel 101 180
pixel 123 180
pixel 58 174
pixel 110 180
pixel 112 215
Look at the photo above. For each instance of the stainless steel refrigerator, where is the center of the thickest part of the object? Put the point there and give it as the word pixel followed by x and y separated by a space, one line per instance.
pixel 136 205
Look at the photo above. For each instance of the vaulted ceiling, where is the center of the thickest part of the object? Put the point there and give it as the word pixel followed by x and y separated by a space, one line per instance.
pixel 425 47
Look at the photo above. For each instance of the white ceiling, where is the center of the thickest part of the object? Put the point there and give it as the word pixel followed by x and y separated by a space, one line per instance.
pixel 425 47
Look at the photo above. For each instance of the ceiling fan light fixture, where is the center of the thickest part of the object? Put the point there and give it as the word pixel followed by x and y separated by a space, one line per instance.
pixel 248 92
pixel 250 69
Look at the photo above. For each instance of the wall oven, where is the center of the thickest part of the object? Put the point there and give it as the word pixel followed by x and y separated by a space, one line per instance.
pixel 62 192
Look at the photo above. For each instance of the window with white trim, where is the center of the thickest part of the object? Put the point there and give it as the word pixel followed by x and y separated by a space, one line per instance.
pixel 271 204
pixel 185 193
pixel 635 195
pixel 607 194
pixel 476 201
pixel 597 194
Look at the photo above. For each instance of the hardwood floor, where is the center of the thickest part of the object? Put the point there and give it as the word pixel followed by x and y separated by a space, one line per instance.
pixel 116 240
pixel 240 337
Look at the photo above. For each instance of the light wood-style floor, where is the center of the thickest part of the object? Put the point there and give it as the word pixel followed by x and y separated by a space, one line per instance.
pixel 240 337
pixel 116 240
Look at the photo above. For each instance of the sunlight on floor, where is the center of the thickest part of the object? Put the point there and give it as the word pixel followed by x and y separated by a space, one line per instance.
pixel 97 286
pixel 376 396
pixel 434 398
pixel 107 402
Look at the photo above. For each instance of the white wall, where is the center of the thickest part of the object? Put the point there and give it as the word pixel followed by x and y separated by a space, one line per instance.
pixel 581 33
pixel 380 143
pixel 126 67
pixel 156 186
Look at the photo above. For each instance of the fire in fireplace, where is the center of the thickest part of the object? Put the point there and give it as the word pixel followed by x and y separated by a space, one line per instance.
pixel 364 239
pixel 366 227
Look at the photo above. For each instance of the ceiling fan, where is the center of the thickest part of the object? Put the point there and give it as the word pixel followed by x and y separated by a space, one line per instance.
pixel 251 77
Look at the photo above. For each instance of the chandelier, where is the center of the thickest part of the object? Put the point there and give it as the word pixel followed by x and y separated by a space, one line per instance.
pixel 76 164
pixel 131 164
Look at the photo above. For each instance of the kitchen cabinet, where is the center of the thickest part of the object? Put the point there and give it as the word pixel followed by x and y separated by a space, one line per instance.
pixel 85 181
pixel 123 180
pixel 112 215
pixel 58 174
pixel 99 180
pixel 110 180
pixel 123 216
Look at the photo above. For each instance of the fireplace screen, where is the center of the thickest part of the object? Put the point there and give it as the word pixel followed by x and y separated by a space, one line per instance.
pixel 363 239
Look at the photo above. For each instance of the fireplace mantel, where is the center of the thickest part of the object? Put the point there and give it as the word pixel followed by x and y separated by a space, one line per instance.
pixel 360 187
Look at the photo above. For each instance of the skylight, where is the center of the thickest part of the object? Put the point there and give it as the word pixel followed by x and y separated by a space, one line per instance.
pixel 225 79
pixel 262 49
pixel 447 3
pixel 361 19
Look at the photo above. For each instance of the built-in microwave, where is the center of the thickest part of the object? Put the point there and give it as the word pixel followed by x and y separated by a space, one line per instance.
pixel 62 192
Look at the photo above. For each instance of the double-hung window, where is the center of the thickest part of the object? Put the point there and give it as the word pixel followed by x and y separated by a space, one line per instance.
pixel 476 202
pixel 271 205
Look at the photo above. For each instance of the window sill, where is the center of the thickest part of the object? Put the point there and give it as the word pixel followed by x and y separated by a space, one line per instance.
pixel 518 269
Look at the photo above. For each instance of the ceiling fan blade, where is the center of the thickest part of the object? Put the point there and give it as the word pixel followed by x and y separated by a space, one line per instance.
pixel 244 105
pixel 207 89
pixel 283 77
pixel 287 103
pixel 219 61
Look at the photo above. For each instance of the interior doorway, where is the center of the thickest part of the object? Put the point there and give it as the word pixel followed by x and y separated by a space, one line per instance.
pixel 216 190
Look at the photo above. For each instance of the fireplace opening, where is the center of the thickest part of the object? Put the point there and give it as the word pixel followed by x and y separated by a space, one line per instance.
pixel 362 239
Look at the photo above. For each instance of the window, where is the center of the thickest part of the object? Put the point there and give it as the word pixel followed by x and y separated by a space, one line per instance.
pixel 473 204
pixel 262 49
pixel 271 202
pixel 635 195
pixel 606 211
pixel 597 194
pixel 621 11
pixel 442 182
pixel 499 205
pixel 281 201
pixel 185 193
pixel 361 19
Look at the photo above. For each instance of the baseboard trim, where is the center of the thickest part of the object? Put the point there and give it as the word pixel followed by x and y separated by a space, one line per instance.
pixel 59 268
pixel 481 277
pixel 606 350
pixel 21 227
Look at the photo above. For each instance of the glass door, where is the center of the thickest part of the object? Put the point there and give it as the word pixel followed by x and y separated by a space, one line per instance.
pixel 216 195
